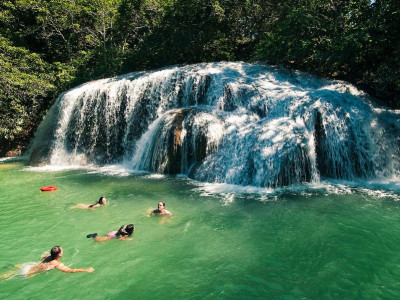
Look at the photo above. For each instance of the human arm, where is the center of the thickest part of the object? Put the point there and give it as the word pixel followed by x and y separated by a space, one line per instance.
pixel 66 269
pixel 125 238
pixel 165 212
pixel 150 212
pixel 92 206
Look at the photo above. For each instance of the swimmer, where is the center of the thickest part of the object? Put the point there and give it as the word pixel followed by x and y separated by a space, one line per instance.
pixel 122 234
pixel 49 262
pixel 102 201
pixel 161 211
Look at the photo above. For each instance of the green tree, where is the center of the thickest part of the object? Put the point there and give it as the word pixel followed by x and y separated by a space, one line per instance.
pixel 26 92
pixel 352 40
pixel 51 45
pixel 184 32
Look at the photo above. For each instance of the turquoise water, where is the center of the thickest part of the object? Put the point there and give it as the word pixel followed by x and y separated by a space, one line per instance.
pixel 330 242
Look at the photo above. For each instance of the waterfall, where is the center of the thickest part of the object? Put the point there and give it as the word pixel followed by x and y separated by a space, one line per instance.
pixel 236 123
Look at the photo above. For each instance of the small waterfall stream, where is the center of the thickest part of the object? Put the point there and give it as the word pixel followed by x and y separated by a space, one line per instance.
pixel 236 123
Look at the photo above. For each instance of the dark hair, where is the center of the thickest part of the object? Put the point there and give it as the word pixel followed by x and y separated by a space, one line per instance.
pixel 101 200
pixel 55 251
pixel 126 230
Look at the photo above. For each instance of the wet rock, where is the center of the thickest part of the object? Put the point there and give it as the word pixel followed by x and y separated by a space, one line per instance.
pixel 13 153
pixel 39 156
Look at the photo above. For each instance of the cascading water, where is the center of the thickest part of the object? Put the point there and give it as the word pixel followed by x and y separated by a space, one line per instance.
pixel 237 123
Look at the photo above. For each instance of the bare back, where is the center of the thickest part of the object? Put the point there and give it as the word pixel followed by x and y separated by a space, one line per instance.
pixel 40 267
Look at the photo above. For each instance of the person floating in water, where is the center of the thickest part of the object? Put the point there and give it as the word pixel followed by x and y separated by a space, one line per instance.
pixel 161 211
pixel 122 234
pixel 102 201
pixel 49 262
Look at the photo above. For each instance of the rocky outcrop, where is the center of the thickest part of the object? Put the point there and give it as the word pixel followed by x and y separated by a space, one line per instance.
pixel 39 156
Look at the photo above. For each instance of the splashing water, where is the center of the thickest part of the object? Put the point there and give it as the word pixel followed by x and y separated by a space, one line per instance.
pixel 233 123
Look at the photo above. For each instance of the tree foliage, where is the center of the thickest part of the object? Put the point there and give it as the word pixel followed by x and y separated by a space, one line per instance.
pixel 25 92
pixel 48 46
pixel 356 41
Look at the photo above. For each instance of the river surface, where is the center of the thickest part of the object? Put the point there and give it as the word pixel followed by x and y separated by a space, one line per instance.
pixel 336 240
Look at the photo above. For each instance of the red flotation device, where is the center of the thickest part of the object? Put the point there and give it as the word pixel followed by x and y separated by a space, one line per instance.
pixel 48 188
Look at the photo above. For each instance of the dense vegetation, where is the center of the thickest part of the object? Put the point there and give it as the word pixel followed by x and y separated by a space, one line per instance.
pixel 47 46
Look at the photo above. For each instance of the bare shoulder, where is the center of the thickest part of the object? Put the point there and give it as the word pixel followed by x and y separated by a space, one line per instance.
pixel 55 263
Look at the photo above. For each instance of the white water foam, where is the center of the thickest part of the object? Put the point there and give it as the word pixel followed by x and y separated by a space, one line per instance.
pixel 3 159
pixel 233 123
pixel 374 190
